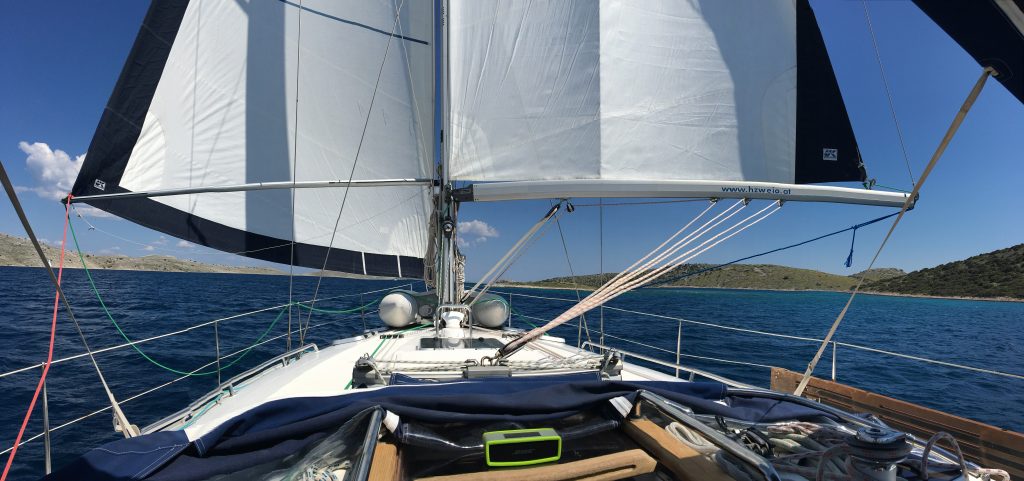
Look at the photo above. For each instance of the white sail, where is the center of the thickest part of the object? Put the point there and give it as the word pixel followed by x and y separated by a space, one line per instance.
pixel 255 92
pixel 644 90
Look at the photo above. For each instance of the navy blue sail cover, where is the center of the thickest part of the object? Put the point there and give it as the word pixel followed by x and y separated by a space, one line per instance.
pixel 284 427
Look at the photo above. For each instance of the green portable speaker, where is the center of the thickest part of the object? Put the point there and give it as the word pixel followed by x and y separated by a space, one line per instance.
pixel 522 447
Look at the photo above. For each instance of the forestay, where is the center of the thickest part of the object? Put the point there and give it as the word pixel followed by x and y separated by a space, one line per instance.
pixel 645 90
pixel 227 93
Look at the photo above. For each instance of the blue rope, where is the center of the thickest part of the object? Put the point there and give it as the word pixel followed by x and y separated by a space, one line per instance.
pixel 848 260
pixel 853 240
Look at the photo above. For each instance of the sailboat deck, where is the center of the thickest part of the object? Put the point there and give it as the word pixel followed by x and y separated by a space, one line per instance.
pixel 328 371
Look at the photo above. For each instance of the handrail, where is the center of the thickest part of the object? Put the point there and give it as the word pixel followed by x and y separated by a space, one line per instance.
pixel 784 336
pixel 699 372
pixel 588 343
pixel 181 331
pixel 691 356
pixel 154 389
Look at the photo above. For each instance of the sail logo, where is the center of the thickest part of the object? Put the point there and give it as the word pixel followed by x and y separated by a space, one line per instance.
pixel 830 154
pixel 99 184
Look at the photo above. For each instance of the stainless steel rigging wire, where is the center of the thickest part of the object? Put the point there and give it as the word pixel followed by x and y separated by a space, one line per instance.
pixel 352 173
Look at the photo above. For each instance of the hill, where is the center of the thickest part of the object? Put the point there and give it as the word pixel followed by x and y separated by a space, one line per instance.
pixel 995 274
pixel 736 276
pixel 18 251
pixel 879 273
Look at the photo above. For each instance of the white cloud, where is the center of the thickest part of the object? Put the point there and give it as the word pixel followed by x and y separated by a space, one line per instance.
pixel 473 232
pixel 149 248
pixel 185 244
pixel 54 172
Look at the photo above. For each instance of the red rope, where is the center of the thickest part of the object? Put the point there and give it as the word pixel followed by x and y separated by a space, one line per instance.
pixel 49 354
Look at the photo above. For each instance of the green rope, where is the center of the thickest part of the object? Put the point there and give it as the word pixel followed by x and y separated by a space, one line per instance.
pixel 96 292
pixel 520 314
pixel 335 311
pixel 382 341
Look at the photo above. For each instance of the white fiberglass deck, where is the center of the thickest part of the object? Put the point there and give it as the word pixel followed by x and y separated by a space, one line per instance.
pixel 328 371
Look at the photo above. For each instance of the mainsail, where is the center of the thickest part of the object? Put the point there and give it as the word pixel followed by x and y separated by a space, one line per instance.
pixel 624 93
pixel 224 93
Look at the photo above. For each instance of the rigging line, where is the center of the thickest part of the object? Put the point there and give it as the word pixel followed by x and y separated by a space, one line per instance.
pixel 774 334
pixel 153 389
pixel 719 266
pixel 295 169
pixel 646 202
pixel 615 292
pixel 888 91
pixel 692 253
pixel 594 299
pixel 41 386
pixel 629 272
pixel 103 305
pixel 352 172
pixel 575 286
pixel 13 196
pixel 957 120
pixel 515 258
pixel 514 249
pixel 632 272
pixel 600 258
pixel 180 331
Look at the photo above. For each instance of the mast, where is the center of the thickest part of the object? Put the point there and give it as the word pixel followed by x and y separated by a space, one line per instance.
pixel 448 291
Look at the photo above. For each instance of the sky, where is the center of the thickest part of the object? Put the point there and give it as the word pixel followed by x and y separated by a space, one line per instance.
pixel 60 60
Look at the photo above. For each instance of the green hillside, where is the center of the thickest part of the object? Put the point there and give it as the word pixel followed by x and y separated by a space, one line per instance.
pixel 880 273
pixel 737 276
pixel 998 274
pixel 995 274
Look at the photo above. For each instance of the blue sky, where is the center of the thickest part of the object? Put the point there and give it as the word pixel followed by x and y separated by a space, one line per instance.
pixel 60 61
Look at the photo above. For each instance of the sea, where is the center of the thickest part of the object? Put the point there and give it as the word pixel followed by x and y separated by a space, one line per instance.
pixel 988 335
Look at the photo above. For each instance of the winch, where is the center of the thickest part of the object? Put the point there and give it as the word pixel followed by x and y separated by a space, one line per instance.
pixel 874 453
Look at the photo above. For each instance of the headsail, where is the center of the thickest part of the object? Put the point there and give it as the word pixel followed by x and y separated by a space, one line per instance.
pixel 227 93
pixel 618 90
pixel 992 31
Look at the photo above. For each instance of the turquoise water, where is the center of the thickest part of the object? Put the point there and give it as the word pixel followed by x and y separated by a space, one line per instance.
pixel 982 334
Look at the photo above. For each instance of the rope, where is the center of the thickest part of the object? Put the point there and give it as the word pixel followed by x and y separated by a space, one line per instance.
pixel 381 343
pixel 798 244
pixel 49 352
pixel 335 311
pixel 632 277
pixel 295 169
pixel 888 93
pixel 783 336
pixel 506 260
pixel 148 391
pixel 925 454
pixel 351 174
pixel 106 311
pixel 575 285
pixel 119 415
pixel 649 202
pixel 906 206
